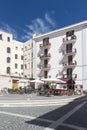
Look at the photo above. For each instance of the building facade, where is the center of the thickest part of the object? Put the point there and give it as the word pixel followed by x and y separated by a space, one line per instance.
pixel 58 54
pixel 63 54
pixel 28 59
pixel 11 57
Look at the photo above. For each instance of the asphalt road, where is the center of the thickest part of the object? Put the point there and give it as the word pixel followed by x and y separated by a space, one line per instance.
pixel 70 116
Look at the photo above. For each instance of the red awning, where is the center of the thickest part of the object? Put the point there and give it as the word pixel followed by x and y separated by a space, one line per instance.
pixel 65 79
pixel 68 80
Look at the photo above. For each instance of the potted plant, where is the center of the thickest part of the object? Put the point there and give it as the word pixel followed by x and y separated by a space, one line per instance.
pixel 71 92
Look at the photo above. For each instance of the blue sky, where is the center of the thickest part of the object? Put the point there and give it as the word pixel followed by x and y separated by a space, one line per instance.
pixel 23 17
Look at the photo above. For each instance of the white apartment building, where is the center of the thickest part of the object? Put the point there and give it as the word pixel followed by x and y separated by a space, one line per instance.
pixel 11 57
pixel 63 54
pixel 28 59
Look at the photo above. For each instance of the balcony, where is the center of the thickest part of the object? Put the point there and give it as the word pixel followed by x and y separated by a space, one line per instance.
pixel 45 45
pixel 45 67
pixel 68 40
pixel 74 76
pixel 70 64
pixel 45 56
pixel 40 75
pixel 69 52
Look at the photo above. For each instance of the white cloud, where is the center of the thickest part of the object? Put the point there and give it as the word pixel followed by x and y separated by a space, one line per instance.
pixel 50 20
pixel 28 36
pixel 40 25
pixel 9 29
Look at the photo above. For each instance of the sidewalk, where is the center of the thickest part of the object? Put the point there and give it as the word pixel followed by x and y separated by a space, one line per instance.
pixel 52 97
pixel 36 100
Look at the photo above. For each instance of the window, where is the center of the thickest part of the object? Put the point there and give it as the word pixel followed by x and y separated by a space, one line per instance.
pixel 16 56
pixel 69 72
pixel 25 66
pixel 0 36
pixel 16 66
pixel 46 40
pixel 25 76
pixel 21 57
pixel 8 50
pixel 70 58
pixel 70 33
pixel 45 51
pixel 45 62
pixel 25 48
pixel 16 48
pixel 69 48
pixel 8 59
pixel 8 70
pixel 22 49
pixel 8 39
pixel 45 74
pixel 22 67
pixel 21 73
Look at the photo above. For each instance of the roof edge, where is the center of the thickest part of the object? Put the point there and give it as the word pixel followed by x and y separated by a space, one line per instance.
pixel 61 29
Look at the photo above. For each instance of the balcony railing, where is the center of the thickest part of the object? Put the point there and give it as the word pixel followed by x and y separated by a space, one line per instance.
pixel 45 56
pixel 74 76
pixel 70 64
pixel 47 45
pixel 45 67
pixel 68 40
pixel 69 52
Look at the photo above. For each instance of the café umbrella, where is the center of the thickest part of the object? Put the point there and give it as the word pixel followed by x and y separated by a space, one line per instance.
pixel 53 80
pixel 36 81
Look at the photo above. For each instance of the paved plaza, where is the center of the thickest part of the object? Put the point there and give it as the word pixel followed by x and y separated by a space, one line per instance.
pixel 70 115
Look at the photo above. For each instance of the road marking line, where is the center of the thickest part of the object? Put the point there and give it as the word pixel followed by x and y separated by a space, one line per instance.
pixel 45 120
pixel 74 126
pixel 62 119
pixel 30 105
pixel 17 115
pixel 25 116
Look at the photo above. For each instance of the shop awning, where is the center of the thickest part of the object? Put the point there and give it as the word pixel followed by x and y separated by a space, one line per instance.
pixel 68 80
pixel 65 79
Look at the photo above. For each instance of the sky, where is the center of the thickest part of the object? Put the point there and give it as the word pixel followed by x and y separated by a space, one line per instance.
pixel 22 18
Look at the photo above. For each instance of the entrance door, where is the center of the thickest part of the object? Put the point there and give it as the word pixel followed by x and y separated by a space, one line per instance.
pixel 15 84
